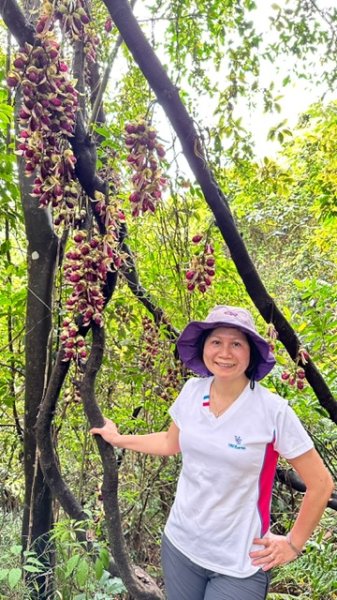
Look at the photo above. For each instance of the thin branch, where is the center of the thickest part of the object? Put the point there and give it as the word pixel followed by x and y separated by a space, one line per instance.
pixel 132 278
pixel 98 96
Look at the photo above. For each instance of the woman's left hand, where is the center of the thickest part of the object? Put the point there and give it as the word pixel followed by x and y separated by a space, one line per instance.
pixel 275 551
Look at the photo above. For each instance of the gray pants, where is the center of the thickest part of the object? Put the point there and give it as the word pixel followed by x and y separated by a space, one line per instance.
pixel 185 580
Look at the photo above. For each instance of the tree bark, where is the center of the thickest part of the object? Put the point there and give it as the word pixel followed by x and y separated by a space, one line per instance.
pixel 41 259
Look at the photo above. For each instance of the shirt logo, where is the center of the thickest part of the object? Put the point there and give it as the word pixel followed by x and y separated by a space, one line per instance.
pixel 238 444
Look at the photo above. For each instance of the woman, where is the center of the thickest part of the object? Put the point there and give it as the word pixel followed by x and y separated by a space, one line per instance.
pixel 230 430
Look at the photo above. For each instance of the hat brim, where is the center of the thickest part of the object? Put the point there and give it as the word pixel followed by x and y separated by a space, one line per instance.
pixel 189 350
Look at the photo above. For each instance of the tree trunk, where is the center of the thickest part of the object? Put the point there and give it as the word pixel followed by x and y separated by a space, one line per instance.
pixel 41 257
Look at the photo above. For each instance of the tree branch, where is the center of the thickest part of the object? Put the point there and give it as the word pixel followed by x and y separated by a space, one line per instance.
pixel 16 22
pixel 294 482
pixel 138 583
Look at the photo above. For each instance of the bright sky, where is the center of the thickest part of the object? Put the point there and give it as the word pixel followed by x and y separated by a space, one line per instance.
pixel 297 96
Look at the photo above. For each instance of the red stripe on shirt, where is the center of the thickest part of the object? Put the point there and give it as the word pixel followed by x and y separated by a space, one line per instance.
pixel 266 481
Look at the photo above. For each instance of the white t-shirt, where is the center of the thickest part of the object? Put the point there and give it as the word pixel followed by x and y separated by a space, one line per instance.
pixel 224 490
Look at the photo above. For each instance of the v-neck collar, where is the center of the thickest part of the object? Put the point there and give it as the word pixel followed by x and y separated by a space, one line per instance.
pixel 205 403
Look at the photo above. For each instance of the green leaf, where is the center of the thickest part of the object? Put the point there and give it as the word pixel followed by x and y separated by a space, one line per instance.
pixel 71 564
pixel 16 549
pixel 82 572
pixel 99 568
pixel 32 569
pixel 105 557
pixel 3 574
pixel 14 576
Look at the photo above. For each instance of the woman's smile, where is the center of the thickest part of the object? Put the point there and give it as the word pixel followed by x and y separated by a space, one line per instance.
pixel 227 351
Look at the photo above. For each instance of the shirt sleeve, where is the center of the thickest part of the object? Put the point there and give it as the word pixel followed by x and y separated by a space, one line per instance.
pixel 292 440
pixel 179 406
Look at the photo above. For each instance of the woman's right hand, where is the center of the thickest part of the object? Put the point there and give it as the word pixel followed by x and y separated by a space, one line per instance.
pixel 108 432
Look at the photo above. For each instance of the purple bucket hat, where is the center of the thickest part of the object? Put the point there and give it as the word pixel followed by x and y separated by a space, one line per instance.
pixel 223 316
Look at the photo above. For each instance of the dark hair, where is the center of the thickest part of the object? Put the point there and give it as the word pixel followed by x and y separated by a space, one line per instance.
pixel 255 356
pixel 255 359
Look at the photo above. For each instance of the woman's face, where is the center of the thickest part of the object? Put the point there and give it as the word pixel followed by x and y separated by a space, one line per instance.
pixel 227 353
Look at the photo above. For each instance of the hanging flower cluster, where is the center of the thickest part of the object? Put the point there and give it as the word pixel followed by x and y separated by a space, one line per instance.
pixel 111 216
pixel 151 344
pixel 171 382
pixel 86 271
pixel 296 376
pixel 271 336
pixel 144 157
pixel 202 266
pixel 47 117
pixel 75 22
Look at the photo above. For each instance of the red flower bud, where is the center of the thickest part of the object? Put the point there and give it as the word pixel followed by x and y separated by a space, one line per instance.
pixel 13 80
pixel 68 354
pixel 160 151
pixel 151 144
pixel 135 197
pixel 210 261
pixel 129 141
pixel 197 238
pixel 24 114
pixel 80 236
pixel 19 63
pixel 108 25
pixel 70 343
pixel 130 128
pixel 189 275
pixel 33 77
pixel 55 101
pixel 40 25
pixel 85 249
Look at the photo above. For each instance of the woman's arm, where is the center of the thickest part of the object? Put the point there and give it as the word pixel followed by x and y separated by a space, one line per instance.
pixel 320 485
pixel 278 549
pixel 164 443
